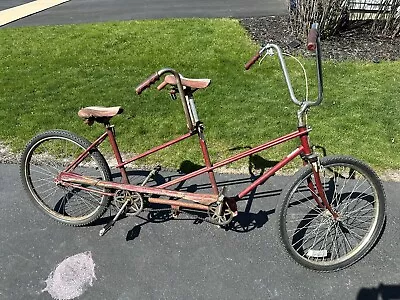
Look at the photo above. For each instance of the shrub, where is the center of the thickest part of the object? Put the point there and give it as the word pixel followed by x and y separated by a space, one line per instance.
pixel 337 15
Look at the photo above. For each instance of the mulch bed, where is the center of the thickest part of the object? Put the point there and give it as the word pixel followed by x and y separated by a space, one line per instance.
pixel 354 44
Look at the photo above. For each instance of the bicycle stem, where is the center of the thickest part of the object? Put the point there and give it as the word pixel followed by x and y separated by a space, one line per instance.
pixel 181 94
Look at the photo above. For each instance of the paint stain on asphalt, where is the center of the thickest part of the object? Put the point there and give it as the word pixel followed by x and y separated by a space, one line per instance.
pixel 72 277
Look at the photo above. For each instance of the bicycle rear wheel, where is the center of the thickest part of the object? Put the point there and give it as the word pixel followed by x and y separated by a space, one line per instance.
pixel 45 156
pixel 309 232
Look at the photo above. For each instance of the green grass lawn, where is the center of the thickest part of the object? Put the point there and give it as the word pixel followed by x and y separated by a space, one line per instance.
pixel 49 73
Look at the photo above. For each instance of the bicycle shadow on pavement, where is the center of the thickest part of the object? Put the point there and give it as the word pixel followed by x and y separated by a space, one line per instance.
pixel 256 163
pixel 382 292
pixel 244 222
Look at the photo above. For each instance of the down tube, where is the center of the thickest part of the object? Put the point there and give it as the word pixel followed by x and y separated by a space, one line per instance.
pixel 236 157
pixel 271 171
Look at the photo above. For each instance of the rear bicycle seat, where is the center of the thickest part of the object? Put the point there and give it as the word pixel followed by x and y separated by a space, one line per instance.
pixel 99 114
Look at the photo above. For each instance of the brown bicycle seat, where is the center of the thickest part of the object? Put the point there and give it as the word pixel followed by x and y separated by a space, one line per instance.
pixel 192 83
pixel 99 113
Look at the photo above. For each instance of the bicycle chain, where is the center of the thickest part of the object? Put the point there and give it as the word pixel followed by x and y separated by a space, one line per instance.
pixel 179 212
pixel 186 211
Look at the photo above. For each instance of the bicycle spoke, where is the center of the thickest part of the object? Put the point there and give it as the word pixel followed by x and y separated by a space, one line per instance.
pixel 314 228
pixel 50 154
pixel 307 225
pixel 319 239
pixel 305 203
pixel 45 172
pixel 361 209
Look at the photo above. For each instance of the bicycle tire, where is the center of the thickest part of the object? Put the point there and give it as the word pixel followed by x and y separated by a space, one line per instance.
pixel 43 158
pixel 310 234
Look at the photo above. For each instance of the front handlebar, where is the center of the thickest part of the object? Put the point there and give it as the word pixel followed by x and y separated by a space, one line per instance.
pixel 313 44
pixel 252 60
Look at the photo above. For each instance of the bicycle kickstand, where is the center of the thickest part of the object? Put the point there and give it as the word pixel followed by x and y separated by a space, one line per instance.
pixel 110 224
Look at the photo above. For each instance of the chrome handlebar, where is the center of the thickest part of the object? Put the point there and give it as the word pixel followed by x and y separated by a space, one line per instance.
pixel 313 44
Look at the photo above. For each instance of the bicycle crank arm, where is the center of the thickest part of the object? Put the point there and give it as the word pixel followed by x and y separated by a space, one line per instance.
pixel 110 224
pixel 106 228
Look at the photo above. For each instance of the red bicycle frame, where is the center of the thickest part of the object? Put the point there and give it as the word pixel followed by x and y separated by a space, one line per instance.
pixel 202 201
pixel 68 177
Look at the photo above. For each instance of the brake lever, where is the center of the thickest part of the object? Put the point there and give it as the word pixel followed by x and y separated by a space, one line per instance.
pixel 269 52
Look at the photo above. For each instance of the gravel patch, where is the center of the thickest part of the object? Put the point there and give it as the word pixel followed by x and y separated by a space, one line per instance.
pixel 7 156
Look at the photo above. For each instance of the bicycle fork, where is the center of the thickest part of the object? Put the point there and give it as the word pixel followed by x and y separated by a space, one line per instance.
pixel 315 188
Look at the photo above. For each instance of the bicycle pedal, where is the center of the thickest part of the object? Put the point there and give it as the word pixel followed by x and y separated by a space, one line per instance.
pixel 106 229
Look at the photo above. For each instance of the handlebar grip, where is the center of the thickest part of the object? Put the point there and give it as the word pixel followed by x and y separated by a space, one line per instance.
pixel 145 84
pixel 252 61
pixel 312 40
pixel 162 85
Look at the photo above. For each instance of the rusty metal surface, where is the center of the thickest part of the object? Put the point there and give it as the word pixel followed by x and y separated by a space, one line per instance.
pixel 177 203
pixel 205 199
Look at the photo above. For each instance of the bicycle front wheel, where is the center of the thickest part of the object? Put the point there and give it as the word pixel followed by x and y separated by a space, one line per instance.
pixel 310 233
pixel 44 158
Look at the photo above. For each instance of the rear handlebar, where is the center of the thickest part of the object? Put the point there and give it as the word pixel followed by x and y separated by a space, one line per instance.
pixel 155 77
pixel 147 83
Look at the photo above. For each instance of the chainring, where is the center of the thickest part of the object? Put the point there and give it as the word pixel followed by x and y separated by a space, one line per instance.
pixel 135 204
pixel 219 213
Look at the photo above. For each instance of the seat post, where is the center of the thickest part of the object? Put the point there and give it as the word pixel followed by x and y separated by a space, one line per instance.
pixel 111 136
pixel 192 107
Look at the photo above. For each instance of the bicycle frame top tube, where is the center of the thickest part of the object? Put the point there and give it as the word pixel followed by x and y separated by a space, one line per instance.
pixel 302 149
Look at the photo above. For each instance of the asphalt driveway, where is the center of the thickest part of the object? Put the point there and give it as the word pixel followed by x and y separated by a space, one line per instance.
pixel 88 11
pixel 179 259
pixel 148 257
